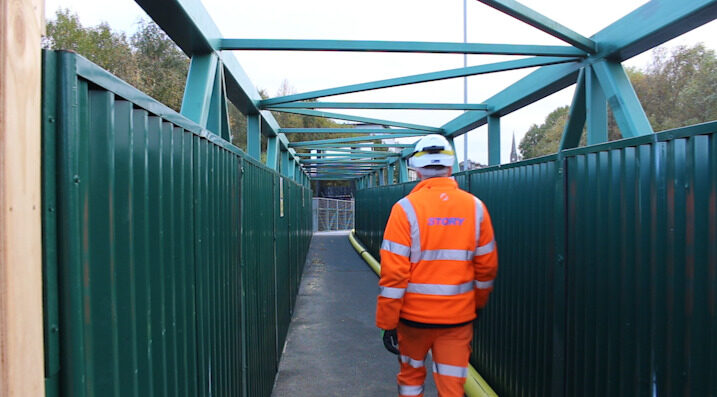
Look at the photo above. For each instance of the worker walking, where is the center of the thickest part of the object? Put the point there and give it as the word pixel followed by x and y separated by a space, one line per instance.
pixel 438 263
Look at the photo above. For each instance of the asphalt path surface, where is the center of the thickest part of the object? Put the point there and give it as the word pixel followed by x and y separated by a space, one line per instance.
pixel 333 347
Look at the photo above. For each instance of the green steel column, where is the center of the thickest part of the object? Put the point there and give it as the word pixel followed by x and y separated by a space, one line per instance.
pixel 381 180
pixel 253 136
pixel 199 87
pixel 285 163
pixel 292 168
pixel 626 107
pixel 596 105
pixel 402 171
pixel 272 153
pixel 389 179
pixel 493 140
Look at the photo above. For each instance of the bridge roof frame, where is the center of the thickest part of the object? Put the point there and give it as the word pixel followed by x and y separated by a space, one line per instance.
pixel 190 26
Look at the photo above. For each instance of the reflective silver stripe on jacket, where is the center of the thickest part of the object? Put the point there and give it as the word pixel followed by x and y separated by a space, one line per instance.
pixel 450 370
pixel 484 284
pixel 405 390
pixel 446 255
pixel 415 231
pixel 393 293
pixel 411 362
pixel 396 248
pixel 485 249
pixel 440 289
pixel 479 218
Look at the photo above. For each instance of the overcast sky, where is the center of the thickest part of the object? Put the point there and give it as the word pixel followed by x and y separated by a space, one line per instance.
pixel 409 20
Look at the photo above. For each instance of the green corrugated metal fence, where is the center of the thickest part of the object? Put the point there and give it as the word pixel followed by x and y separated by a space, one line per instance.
pixel 608 267
pixel 162 275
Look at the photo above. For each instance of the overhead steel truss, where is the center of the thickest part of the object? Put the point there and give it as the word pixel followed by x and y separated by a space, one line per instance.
pixel 592 63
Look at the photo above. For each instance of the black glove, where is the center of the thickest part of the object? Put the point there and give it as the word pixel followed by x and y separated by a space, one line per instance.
pixel 390 340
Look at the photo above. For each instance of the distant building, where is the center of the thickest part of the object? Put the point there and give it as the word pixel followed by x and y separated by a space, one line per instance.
pixel 471 165
pixel 513 152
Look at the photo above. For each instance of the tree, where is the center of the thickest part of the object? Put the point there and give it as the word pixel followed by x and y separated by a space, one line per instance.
pixel 545 138
pixel 162 65
pixel 110 50
pixel 677 89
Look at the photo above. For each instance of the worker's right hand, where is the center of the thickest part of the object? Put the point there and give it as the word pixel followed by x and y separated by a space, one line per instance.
pixel 390 340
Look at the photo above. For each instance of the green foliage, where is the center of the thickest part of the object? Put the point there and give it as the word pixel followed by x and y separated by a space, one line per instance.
pixel 545 138
pixel 99 44
pixel 149 60
pixel 678 89
pixel 163 67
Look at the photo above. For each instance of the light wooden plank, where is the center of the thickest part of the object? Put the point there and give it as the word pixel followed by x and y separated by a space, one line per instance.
pixel 21 338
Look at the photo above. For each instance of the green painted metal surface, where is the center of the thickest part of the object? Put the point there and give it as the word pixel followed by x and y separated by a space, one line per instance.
pixel 608 265
pixel 162 277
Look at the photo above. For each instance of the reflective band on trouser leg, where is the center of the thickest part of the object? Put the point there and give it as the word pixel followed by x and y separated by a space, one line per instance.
pixel 406 390
pixel 396 248
pixel 484 284
pixel 440 289
pixel 411 362
pixel 446 255
pixel 485 249
pixel 450 370
pixel 405 203
pixel 393 293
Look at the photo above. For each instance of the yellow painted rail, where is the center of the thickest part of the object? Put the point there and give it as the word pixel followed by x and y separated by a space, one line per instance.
pixel 475 385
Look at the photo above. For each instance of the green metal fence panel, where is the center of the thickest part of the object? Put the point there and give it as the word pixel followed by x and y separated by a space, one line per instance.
pixel 160 264
pixel 641 295
pixel 513 341
pixel 608 267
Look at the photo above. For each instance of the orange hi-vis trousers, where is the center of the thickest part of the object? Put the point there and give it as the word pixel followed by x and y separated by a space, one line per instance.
pixel 451 349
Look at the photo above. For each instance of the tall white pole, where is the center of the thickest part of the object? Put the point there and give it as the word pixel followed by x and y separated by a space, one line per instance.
pixel 465 85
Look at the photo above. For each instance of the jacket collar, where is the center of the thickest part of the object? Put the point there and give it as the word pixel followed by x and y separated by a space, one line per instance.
pixel 430 183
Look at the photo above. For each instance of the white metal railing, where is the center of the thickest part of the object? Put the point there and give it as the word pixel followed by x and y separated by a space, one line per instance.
pixel 333 214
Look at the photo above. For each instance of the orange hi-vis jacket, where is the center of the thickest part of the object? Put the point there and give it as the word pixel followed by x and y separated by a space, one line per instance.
pixel 438 257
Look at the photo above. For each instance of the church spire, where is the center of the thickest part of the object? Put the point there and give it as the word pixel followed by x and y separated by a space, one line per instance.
pixel 513 152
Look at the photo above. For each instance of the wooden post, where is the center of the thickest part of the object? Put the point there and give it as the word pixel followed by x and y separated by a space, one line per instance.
pixel 21 340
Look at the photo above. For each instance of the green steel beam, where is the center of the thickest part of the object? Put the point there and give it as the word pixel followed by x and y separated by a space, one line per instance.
pixel 493 140
pixel 284 163
pixel 539 21
pixel 344 141
pixel 272 153
pixel 253 136
pixel 625 105
pixel 218 118
pixel 341 161
pixel 191 27
pixel 380 105
pixel 330 146
pixel 349 130
pixel 349 153
pixel 576 120
pixel 596 108
pixel 199 87
pixel 421 78
pixel 402 171
pixel 648 26
pixel 397 46
pixel 368 120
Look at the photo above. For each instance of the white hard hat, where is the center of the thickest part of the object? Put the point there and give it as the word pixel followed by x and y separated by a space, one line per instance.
pixel 432 149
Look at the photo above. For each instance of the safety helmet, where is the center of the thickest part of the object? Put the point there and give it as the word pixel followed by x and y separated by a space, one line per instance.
pixel 432 149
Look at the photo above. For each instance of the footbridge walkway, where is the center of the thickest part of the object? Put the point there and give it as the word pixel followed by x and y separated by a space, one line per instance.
pixel 142 254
